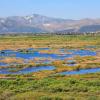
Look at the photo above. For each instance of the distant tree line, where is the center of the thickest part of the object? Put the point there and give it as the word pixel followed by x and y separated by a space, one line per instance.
pixel 41 34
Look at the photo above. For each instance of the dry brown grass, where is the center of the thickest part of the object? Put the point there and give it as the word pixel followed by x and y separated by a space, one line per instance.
pixel 12 60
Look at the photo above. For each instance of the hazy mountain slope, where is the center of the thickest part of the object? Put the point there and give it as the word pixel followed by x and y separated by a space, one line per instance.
pixel 38 23
pixel 89 28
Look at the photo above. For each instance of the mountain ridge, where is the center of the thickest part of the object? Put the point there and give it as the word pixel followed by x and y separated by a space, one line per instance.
pixel 36 23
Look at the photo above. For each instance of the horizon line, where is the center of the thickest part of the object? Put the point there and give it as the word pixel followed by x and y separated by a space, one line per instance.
pixel 51 17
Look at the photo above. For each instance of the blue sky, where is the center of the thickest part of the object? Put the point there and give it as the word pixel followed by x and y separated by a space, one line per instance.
pixel 68 9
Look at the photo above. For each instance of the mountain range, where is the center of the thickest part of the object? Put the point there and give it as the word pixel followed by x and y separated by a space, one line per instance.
pixel 37 23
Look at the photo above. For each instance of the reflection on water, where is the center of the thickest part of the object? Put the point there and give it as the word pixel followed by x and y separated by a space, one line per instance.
pixel 82 71
pixel 26 70
pixel 33 53
pixel 44 58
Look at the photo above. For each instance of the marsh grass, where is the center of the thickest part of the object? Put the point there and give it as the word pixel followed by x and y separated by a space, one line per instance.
pixel 47 85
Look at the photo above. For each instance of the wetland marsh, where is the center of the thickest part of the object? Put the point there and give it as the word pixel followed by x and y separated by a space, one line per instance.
pixel 65 66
